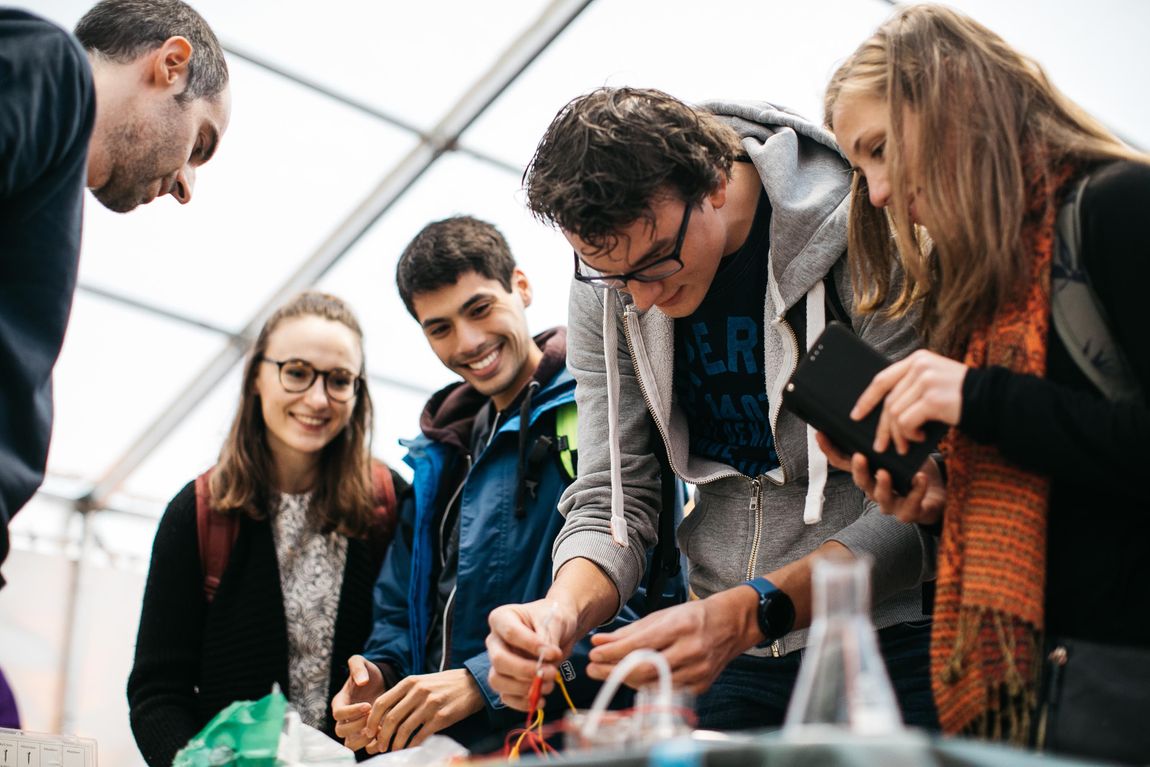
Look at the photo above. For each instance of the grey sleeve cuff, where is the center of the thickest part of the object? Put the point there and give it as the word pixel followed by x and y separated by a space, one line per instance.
pixel 902 555
pixel 624 566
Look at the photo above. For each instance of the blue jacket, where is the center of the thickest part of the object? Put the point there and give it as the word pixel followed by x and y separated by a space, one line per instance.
pixel 502 558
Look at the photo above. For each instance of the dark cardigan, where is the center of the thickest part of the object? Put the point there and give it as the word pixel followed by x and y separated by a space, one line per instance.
pixel 193 659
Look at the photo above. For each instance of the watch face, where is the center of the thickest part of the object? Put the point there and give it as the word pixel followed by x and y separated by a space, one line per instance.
pixel 776 614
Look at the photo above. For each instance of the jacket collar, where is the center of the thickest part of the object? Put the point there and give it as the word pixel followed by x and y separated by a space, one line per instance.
pixel 449 416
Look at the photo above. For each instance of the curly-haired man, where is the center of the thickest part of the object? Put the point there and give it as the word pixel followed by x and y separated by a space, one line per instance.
pixel 709 248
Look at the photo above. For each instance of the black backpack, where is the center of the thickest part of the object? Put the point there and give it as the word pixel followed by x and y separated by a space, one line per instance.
pixel 1076 312
pixel 1079 317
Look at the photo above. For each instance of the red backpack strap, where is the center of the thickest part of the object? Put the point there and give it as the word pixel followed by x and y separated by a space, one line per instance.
pixel 386 513
pixel 216 534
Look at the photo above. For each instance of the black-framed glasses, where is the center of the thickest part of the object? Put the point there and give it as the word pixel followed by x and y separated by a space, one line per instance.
pixel 660 269
pixel 299 375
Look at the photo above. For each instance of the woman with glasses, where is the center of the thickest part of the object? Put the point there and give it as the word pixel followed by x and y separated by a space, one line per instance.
pixel 263 568
pixel 1042 494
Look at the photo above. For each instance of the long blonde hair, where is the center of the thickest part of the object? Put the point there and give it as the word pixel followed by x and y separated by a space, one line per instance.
pixel 984 111
pixel 242 480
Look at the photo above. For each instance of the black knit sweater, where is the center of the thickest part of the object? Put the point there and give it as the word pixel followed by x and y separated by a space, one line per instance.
pixel 193 659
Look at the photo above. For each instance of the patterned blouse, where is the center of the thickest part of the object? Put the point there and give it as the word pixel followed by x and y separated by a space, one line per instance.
pixel 311 574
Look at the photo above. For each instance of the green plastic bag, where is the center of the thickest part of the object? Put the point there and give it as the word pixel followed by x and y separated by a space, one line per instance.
pixel 245 734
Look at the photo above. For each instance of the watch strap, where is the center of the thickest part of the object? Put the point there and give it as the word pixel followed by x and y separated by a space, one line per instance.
pixel 775 613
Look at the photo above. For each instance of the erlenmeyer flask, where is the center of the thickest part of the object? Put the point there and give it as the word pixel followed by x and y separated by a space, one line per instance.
pixel 842 683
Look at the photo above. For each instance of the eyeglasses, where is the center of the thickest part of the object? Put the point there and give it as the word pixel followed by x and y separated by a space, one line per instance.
pixel 659 269
pixel 298 376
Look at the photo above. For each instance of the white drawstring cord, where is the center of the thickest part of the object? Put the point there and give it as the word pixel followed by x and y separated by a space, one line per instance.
pixel 610 358
pixel 816 459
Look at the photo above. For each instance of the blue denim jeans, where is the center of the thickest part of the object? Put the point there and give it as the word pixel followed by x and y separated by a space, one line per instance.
pixel 754 692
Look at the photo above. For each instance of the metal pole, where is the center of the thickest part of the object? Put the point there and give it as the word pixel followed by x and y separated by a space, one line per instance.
pixel 69 649
pixel 556 17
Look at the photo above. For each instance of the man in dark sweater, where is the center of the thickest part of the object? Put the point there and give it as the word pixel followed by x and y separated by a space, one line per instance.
pixel 130 107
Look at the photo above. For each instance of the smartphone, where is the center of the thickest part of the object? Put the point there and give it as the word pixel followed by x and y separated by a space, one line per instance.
pixel 825 387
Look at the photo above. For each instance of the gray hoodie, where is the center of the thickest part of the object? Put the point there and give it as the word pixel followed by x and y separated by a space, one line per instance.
pixel 623 361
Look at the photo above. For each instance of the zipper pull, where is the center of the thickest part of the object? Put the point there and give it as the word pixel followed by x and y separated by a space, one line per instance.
pixel 1058 658
pixel 754 495
pixel 1056 661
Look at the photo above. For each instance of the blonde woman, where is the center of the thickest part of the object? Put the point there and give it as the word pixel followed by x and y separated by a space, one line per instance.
pixel 964 151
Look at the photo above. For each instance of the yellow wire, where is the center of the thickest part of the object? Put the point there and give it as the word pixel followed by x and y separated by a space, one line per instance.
pixel 563 687
pixel 514 755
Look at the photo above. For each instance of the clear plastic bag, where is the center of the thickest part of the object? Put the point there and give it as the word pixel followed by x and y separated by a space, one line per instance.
pixel 436 750
pixel 261 733
pixel 304 746
pixel 245 733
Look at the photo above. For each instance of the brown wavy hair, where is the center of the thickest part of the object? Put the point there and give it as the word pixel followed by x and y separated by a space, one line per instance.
pixel 343 498
pixel 984 110
pixel 607 154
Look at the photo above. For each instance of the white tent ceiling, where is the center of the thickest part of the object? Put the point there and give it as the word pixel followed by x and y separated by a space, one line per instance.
pixel 342 146
pixel 335 158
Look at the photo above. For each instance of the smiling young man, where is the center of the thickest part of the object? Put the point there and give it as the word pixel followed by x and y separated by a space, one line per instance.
pixel 489 471
pixel 705 242
pixel 129 106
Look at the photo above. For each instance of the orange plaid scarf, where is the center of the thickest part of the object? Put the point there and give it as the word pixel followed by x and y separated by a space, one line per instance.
pixel 988 620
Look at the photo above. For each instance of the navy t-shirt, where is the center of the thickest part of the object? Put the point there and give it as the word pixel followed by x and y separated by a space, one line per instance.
pixel 719 378
pixel 46 116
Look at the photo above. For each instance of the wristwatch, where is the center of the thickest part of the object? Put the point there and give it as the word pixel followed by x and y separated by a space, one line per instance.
pixel 776 613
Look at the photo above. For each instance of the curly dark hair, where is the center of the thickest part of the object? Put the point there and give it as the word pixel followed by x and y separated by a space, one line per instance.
pixel 123 30
pixel 609 153
pixel 445 250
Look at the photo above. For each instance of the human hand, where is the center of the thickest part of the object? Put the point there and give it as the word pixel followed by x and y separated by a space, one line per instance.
pixel 419 706
pixel 516 646
pixel 352 704
pixel 924 503
pixel 923 387
pixel 698 640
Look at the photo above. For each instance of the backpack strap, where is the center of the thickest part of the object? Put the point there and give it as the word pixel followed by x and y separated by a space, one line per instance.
pixel 665 560
pixel 386 511
pixel 1077 313
pixel 567 439
pixel 216 534
pixel 384 487
pixel 834 302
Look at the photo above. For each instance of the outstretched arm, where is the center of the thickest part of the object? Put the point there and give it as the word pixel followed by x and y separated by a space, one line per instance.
pixel 581 598
pixel 701 637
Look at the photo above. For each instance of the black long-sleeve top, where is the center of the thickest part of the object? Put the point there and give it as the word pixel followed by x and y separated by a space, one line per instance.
pixel 47 112
pixel 1094 451
pixel 194 658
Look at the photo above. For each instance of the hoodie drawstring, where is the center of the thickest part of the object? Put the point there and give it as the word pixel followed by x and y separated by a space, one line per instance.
pixel 610 358
pixel 816 459
pixel 522 481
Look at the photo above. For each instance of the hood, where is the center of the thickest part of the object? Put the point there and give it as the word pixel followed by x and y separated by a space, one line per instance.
pixel 449 416
pixel 808 184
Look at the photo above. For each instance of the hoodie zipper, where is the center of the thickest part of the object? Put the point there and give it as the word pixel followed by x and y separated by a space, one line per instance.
pixel 628 313
pixel 757 514
pixel 756 483
pixel 445 645
pixel 445 619
pixel 775 423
